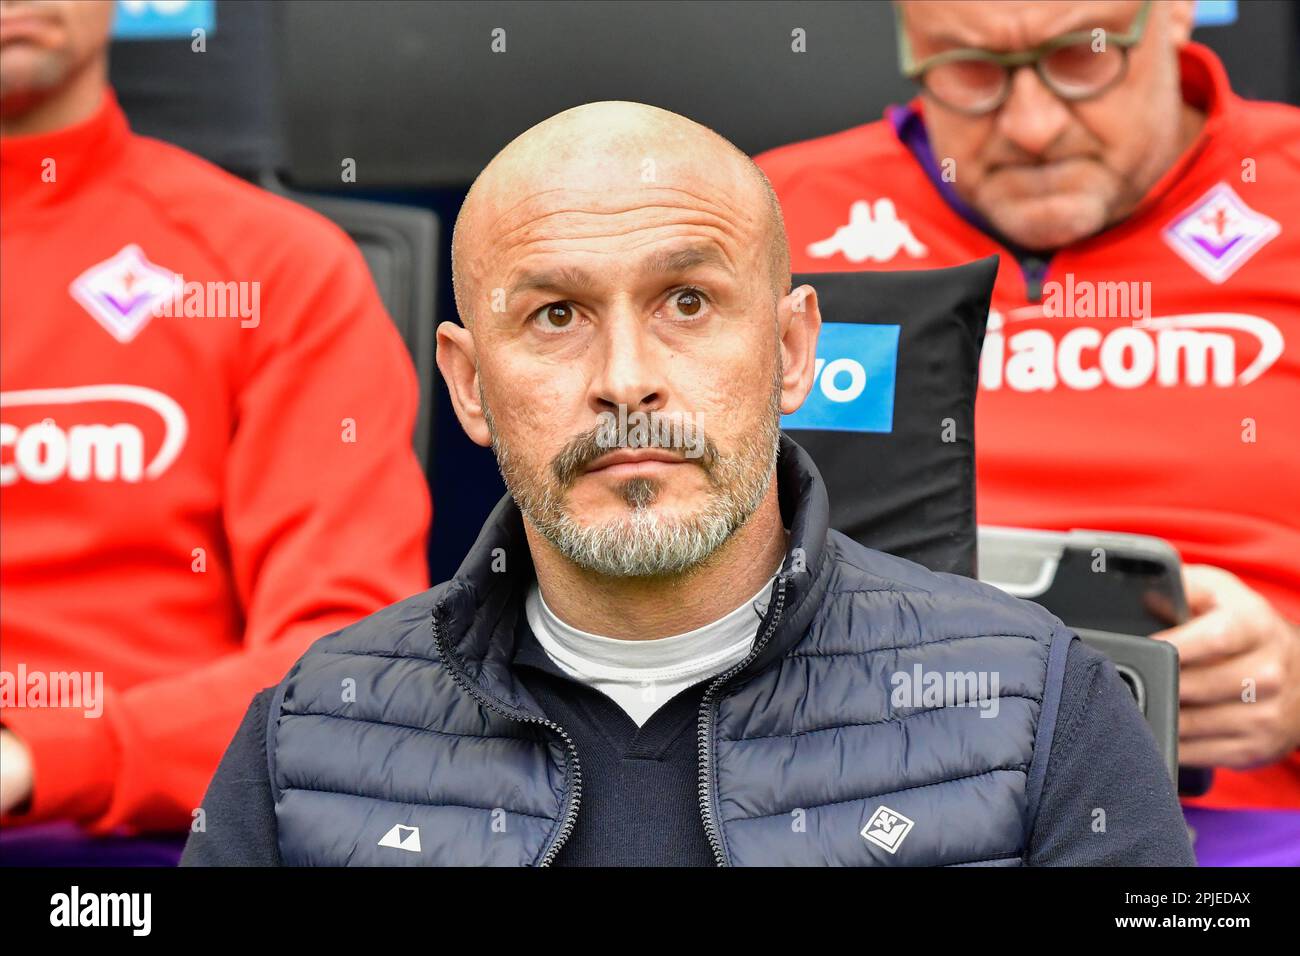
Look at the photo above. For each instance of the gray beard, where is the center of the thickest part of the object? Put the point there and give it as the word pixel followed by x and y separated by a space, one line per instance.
pixel 643 543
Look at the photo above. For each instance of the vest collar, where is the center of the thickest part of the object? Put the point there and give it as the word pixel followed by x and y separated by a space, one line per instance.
pixel 483 603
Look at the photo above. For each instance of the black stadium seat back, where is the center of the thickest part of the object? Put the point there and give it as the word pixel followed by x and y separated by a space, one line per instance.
pixel 900 479
pixel 466 89
pixel 400 245
pixel 423 94
pixel 225 103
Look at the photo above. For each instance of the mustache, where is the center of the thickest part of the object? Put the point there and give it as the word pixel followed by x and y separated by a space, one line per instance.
pixel 582 450
pixel 1007 155
pixel 1070 145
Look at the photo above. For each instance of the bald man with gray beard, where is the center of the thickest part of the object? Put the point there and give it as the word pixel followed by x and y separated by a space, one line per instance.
pixel 657 653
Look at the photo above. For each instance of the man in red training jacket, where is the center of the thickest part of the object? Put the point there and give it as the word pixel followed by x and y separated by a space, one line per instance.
pixel 1141 370
pixel 205 458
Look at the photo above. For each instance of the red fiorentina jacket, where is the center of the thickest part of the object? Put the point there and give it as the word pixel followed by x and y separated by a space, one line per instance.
pixel 1180 425
pixel 188 500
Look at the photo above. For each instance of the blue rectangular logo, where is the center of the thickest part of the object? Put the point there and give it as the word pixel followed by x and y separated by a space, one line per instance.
pixel 1215 13
pixel 853 390
pixel 162 19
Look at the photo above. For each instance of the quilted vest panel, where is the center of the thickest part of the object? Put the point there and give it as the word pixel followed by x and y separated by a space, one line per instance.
pixel 832 755
pixel 846 726
pixel 370 741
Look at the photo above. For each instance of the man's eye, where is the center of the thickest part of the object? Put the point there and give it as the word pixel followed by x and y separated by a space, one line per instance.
pixel 689 302
pixel 555 317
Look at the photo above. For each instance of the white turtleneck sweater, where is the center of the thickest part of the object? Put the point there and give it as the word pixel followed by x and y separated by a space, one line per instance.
pixel 640 676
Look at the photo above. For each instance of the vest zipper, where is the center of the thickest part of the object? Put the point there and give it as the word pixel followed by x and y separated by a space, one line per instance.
pixel 575 770
pixel 704 736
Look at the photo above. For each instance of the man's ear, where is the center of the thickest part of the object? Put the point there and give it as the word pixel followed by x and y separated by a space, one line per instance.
pixel 799 321
pixel 458 363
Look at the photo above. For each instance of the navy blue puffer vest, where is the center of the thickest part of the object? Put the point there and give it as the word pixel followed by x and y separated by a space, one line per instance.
pixel 887 715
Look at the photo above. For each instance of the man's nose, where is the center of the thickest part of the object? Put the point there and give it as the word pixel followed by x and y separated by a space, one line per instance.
pixel 1033 117
pixel 631 368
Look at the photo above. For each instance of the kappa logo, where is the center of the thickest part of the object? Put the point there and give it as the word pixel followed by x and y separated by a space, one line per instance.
pixel 121 292
pixel 874 234
pixel 887 829
pixel 1219 233
pixel 402 838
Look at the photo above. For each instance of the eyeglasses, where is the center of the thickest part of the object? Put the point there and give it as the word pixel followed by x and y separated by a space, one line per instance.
pixel 1075 66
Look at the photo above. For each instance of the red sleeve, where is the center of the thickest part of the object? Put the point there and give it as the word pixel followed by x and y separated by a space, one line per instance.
pixel 326 513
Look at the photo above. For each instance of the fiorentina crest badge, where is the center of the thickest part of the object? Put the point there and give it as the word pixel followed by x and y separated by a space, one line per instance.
pixel 121 292
pixel 1219 233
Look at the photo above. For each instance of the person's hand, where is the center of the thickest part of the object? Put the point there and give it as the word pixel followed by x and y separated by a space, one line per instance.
pixel 1239 674
pixel 15 771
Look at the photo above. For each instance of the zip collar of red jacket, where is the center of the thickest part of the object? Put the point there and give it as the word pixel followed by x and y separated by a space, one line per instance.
pixel 46 169
pixel 1204 84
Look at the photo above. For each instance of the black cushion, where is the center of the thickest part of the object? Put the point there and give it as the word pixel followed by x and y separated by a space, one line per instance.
pixel 890 422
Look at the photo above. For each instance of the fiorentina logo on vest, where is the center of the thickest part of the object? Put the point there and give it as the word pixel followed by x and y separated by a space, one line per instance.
pixel 121 292
pixel 887 829
pixel 1219 233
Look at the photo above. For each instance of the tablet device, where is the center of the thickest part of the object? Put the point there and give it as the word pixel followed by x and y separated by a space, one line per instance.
pixel 1110 588
pixel 1105 581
